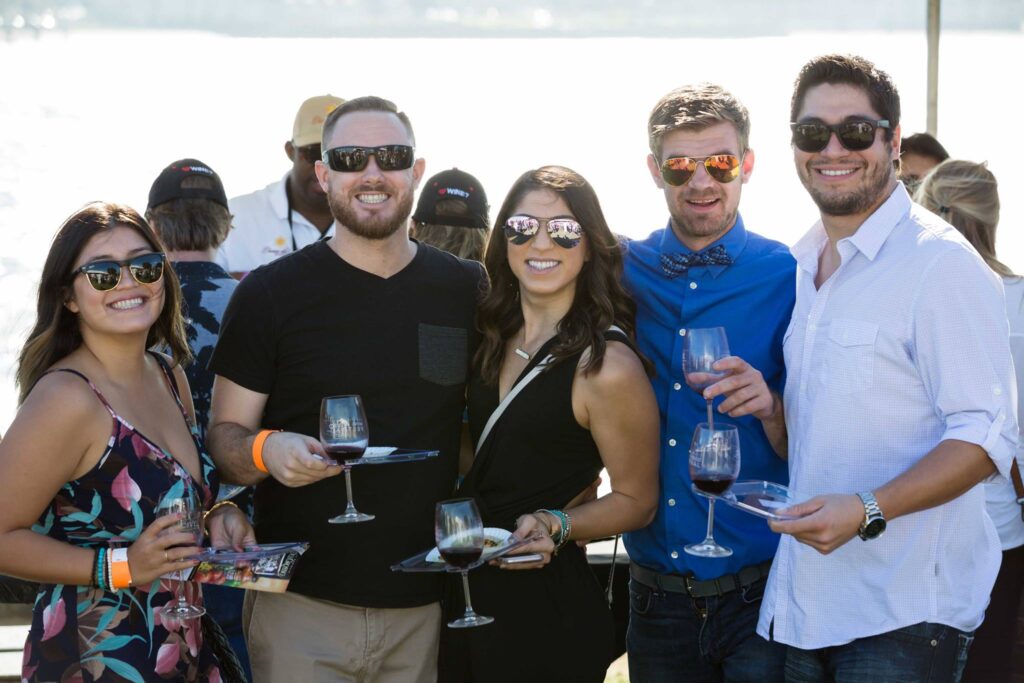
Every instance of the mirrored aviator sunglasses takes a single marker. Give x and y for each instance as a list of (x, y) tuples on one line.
[(351, 159), (677, 171), (145, 269), (565, 232), (855, 136)]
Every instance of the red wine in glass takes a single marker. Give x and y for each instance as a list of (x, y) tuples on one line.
[(344, 435), (345, 451), (715, 485), (460, 557)]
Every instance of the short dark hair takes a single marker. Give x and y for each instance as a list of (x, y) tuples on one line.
[(696, 107), (849, 70), (366, 103), (925, 145), (190, 224)]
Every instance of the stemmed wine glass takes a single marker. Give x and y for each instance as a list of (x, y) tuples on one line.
[(702, 348), (345, 434), (191, 512), (714, 466), (459, 533)]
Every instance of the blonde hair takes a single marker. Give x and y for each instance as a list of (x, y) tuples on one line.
[(966, 195)]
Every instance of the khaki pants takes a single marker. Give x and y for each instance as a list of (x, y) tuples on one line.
[(296, 639)]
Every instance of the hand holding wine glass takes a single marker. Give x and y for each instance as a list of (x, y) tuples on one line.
[(714, 466), (459, 532), (345, 434), (702, 348), (161, 549), (188, 513)]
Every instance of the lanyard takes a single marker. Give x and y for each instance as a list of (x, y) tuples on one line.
[(291, 225)]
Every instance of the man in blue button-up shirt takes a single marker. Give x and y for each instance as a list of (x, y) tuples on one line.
[(693, 616)]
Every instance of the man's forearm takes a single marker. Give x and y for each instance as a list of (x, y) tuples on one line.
[(949, 470), (231, 447), (775, 428)]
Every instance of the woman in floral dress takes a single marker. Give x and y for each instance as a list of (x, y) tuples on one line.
[(105, 432)]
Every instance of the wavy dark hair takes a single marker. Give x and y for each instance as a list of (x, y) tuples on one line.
[(600, 300), (56, 332)]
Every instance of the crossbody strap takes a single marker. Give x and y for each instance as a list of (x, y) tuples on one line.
[(537, 369)]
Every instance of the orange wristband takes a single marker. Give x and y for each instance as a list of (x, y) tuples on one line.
[(257, 449), (120, 574)]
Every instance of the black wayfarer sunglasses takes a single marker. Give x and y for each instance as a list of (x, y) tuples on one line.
[(105, 275)]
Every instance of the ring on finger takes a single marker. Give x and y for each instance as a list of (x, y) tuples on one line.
[(166, 558)]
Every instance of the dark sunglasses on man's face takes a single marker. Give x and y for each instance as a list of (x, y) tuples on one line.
[(565, 232), (105, 275), (354, 159), (678, 171), (856, 136), (311, 153)]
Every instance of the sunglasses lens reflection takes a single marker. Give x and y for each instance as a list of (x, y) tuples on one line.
[(855, 136), (677, 171), (521, 229), (565, 233)]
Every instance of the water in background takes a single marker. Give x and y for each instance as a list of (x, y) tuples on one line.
[(97, 115)]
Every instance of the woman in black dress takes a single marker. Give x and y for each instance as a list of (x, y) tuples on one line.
[(555, 301)]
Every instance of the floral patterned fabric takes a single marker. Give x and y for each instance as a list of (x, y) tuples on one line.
[(81, 634)]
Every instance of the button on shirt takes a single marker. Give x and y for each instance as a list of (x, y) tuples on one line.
[(260, 230), (904, 346), (752, 300)]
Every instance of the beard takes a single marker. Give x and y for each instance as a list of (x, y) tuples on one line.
[(377, 228), (857, 201), (702, 226)]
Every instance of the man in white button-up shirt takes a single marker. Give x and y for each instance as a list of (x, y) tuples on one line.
[(899, 400)]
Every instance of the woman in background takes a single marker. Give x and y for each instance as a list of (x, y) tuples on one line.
[(966, 195), (104, 432)]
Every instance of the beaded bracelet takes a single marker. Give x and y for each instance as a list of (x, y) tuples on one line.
[(110, 572), (97, 566), (563, 537)]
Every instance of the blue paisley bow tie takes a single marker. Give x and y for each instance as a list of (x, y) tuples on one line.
[(674, 265)]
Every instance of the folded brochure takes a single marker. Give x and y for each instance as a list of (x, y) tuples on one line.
[(267, 567)]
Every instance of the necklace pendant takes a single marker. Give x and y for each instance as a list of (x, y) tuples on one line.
[(522, 354)]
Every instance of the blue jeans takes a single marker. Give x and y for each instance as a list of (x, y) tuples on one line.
[(922, 653), (673, 637)]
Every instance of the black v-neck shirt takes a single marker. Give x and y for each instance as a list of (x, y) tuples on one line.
[(310, 325)]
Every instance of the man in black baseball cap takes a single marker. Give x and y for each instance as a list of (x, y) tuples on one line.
[(452, 214), (188, 209)]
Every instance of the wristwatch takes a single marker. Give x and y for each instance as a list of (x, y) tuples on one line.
[(874, 523)]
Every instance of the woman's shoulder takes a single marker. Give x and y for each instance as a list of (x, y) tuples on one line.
[(63, 395), (620, 369)]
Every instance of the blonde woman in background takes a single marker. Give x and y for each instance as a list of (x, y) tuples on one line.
[(965, 194)]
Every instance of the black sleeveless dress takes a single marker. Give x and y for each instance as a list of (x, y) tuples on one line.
[(551, 624)]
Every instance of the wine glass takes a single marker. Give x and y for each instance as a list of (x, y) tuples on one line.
[(702, 348), (191, 521), (714, 466), (345, 434), (459, 533)]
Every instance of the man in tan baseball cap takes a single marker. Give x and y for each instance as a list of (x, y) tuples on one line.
[(289, 213)]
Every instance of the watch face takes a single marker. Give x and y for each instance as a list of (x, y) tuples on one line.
[(874, 528)]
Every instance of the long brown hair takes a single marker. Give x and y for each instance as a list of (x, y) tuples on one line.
[(966, 195), (600, 300), (56, 332)]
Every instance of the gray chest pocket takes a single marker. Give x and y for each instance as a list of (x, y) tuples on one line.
[(443, 353)]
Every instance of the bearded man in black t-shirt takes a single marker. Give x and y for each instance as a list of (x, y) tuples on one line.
[(368, 312)]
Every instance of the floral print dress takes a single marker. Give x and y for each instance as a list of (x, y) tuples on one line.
[(81, 634)]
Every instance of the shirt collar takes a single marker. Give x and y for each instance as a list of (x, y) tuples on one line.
[(279, 198), (734, 241), (868, 239)]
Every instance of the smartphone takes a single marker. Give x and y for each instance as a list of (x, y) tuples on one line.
[(520, 559)]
